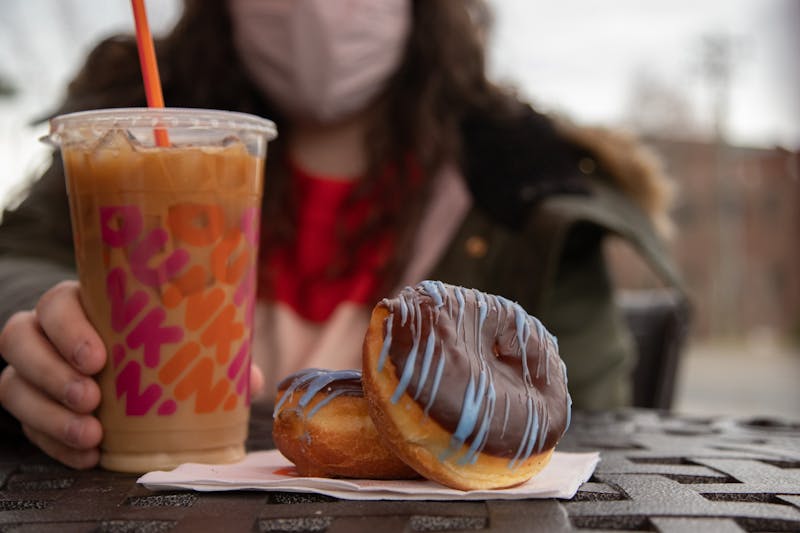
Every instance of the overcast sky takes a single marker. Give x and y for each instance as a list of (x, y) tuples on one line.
[(580, 56), (577, 57)]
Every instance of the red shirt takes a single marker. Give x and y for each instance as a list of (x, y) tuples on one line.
[(301, 271)]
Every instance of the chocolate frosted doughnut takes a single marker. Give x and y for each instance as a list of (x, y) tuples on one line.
[(466, 387), (322, 425)]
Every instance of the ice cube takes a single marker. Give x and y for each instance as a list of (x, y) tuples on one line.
[(115, 142), (230, 140)]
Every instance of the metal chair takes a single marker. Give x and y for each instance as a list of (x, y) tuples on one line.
[(659, 321)]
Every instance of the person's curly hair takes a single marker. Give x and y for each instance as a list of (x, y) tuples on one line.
[(441, 80)]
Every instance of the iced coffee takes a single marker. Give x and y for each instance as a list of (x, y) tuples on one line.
[(166, 243)]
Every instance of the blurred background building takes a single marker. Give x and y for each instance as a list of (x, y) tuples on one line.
[(712, 87)]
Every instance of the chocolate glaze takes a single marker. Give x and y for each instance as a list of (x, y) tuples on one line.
[(313, 381), (480, 366)]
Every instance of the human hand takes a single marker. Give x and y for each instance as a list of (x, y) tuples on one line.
[(52, 354)]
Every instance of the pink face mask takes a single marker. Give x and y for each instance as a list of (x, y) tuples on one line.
[(320, 59)]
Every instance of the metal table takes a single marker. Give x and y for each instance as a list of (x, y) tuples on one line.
[(659, 472)]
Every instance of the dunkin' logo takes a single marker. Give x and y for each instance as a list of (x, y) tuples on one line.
[(186, 320)]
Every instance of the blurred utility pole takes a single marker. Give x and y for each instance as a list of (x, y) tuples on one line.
[(7, 89), (718, 59), (657, 107)]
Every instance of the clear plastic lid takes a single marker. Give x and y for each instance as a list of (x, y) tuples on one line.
[(180, 123)]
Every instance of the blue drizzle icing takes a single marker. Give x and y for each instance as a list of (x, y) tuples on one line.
[(437, 379), (505, 415), (312, 381), (479, 398), (387, 342), (461, 306), (434, 289), (426, 362), (528, 436), (569, 398), (408, 369)]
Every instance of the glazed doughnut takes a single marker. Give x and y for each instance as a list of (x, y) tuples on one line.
[(465, 387), (322, 425)]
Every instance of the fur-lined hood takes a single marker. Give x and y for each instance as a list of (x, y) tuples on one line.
[(513, 162), (635, 169)]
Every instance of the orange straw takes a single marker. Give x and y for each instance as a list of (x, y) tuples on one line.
[(147, 60)]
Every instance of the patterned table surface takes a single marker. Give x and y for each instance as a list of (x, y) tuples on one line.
[(658, 472)]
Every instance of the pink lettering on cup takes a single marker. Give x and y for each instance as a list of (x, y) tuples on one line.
[(123, 311), (222, 314), (117, 354), (152, 336), (167, 407), (243, 384), (246, 287), (143, 252), (129, 384), (239, 359), (249, 225), (120, 225)]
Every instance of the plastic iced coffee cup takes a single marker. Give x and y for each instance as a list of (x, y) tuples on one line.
[(166, 243)]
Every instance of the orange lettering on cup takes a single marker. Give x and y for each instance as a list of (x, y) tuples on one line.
[(230, 403), (222, 332), (227, 267), (178, 362), (200, 382), (194, 280), (196, 224), (200, 307)]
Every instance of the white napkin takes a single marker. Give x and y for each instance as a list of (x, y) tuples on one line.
[(270, 471)]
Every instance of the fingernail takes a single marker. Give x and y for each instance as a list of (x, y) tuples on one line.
[(80, 354), (74, 393), (73, 431)]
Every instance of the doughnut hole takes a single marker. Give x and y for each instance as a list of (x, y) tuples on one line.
[(338, 440)]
